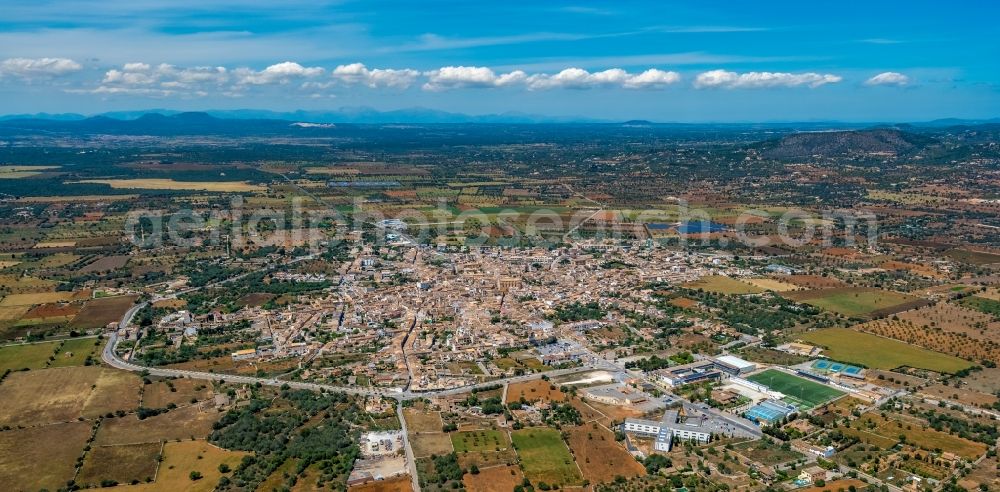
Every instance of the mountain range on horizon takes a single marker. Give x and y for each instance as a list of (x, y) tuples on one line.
[(421, 115)]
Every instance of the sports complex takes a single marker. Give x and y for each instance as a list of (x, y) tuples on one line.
[(801, 392)]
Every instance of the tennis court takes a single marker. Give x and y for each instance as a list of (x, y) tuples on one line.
[(830, 366)]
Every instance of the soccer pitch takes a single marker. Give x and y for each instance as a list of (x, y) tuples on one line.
[(798, 391)]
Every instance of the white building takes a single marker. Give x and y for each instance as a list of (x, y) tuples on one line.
[(697, 426)]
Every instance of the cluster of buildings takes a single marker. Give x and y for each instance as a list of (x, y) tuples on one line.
[(691, 423), (707, 369)]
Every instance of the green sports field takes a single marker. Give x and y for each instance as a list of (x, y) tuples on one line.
[(800, 392)]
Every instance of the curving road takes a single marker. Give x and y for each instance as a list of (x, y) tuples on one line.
[(111, 358)]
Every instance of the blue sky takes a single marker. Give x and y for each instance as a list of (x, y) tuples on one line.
[(663, 61)]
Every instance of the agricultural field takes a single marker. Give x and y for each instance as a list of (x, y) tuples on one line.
[(534, 390), (77, 351), (183, 457), (400, 483), (430, 443), (45, 312), (919, 435), (721, 284), (946, 316), (852, 302), (181, 423), (41, 457), (169, 184), (801, 392), (30, 356), (70, 393), (483, 448), (771, 284), (846, 345), (179, 392), (545, 457), (31, 299), (983, 304), (54, 244), (500, 478), (105, 264), (478, 441), (121, 463), (767, 452), (973, 257), (15, 284), (960, 344), (812, 281), (599, 456), (961, 395), (97, 313), (986, 380), (771, 356), (18, 172), (991, 293)]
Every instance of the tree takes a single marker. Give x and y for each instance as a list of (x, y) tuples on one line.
[(194, 476)]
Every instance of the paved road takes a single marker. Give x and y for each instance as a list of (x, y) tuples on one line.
[(411, 460)]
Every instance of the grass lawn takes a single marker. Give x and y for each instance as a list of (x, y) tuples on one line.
[(802, 392), (876, 352), (723, 285), (545, 457)]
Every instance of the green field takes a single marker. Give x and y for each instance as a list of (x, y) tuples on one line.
[(982, 304), (31, 356), (876, 352), (723, 285), (545, 457), (476, 441), (850, 301), (74, 352), (801, 392)]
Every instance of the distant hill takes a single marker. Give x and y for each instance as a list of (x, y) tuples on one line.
[(191, 123), (355, 114), (841, 143)]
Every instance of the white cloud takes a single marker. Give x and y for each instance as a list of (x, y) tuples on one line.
[(577, 78), (30, 68), (889, 78), (756, 80), (165, 75), (652, 79), (358, 73), (280, 73), (570, 78), (463, 77)]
